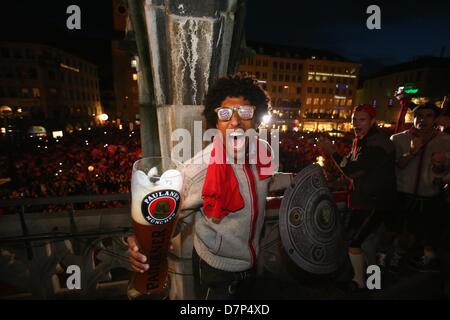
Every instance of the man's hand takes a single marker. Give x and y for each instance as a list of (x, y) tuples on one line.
[(417, 143), (137, 259)]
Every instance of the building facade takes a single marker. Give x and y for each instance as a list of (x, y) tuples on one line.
[(124, 66), (311, 90), (42, 85), (427, 78)]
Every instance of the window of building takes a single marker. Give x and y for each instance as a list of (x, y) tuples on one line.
[(258, 75), (324, 78), (5, 53), (24, 92), (258, 62), (36, 93), (51, 75), (299, 90), (32, 73), (294, 66), (264, 75), (350, 92), (274, 89), (274, 76), (310, 77), (265, 63), (316, 101), (19, 74), (280, 77), (288, 66), (309, 90), (299, 78), (323, 101), (308, 101), (282, 65), (330, 90), (349, 102), (17, 53), (287, 78), (29, 53), (7, 72), (275, 65), (324, 90), (316, 90), (317, 78), (12, 92), (280, 88), (336, 91)]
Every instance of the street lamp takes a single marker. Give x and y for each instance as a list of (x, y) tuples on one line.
[(103, 117)]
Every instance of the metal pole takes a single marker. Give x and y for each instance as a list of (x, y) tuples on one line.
[(148, 116)]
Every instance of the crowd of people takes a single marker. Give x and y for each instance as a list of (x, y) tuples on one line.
[(89, 162), (300, 149), (99, 161)]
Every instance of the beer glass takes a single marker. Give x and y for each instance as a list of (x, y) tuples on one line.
[(156, 184)]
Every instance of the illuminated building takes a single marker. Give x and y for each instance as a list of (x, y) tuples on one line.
[(310, 89), (430, 75), (124, 66), (49, 86)]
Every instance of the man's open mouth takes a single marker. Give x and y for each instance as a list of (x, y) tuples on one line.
[(236, 140)]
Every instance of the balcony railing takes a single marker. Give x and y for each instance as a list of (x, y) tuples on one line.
[(36, 249)]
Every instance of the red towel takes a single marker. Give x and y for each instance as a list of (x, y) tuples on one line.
[(221, 194)]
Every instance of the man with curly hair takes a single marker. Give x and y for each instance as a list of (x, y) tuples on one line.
[(226, 195)]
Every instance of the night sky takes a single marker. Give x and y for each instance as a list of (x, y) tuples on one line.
[(408, 28)]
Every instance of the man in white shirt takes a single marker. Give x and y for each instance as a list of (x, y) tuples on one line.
[(421, 163)]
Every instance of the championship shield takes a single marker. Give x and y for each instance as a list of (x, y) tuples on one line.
[(309, 224)]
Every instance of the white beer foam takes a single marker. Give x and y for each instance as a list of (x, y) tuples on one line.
[(171, 179), (142, 186), (153, 172)]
